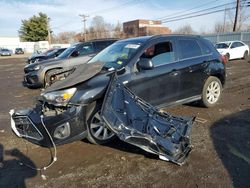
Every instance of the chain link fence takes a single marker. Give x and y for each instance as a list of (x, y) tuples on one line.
[(242, 36)]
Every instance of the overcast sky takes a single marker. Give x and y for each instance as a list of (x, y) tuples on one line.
[(64, 14)]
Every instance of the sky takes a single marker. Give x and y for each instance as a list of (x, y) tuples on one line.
[(64, 14)]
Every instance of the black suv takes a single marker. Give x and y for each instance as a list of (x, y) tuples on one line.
[(46, 72), (162, 70)]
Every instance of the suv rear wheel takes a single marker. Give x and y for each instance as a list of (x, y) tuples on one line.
[(211, 92), (98, 132)]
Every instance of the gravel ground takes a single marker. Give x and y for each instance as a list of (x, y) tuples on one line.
[(220, 158)]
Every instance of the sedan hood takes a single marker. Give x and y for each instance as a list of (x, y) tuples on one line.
[(81, 73)]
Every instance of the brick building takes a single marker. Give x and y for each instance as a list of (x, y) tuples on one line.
[(137, 28)]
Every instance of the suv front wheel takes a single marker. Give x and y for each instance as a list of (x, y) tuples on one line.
[(211, 92), (98, 132)]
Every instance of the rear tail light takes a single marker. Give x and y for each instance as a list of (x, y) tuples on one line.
[(224, 59)]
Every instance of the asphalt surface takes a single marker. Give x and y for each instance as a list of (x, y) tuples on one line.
[(220, 157)]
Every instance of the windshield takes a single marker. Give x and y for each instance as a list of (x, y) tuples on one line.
[(116, 55), (52, 53), (222, 45), (66, 52)]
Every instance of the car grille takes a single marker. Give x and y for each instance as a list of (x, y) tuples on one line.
[(26, 128)]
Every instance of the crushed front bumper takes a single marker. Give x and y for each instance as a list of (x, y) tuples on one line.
[(36, 127), (32, 79)]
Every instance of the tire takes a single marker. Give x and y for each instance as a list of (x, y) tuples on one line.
[(98, 133), (227, 57), (47, 78), (211, 92), (245, 56)]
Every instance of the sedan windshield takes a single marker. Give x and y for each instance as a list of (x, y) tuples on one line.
[(222, 45), (67, 52), (117, 55)]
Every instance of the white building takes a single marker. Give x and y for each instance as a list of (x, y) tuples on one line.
[(29, 47)]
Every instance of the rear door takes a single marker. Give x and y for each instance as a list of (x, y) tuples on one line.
[(159, 85), (192, 65)]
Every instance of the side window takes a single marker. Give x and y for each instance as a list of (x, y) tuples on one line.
[(234, 45), (239, 44), (86, 49), (206, 46), (161, 53), (189, 49), (101, 45)]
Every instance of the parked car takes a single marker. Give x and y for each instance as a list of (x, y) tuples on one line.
[(163, 70), (5, 52), (46, 56), (19, 51), (233, 49), (44, 73)]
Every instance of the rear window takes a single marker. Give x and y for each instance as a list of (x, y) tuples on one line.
[(101, 45), (206, 46), (189, 48)]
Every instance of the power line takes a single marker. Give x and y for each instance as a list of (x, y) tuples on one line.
[(198, 15), (196, 7), (200, 11)]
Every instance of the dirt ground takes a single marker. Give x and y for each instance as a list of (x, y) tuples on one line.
[(220, 158)]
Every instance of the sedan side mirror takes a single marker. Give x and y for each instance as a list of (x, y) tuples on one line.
[(75, 54), (145, 64)]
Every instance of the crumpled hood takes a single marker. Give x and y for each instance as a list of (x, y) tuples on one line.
[(82, 73)]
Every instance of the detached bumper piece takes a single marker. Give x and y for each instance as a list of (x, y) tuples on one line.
[(36, 127), (140, 124)]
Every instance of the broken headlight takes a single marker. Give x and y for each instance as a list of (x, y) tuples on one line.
[(59, 98)]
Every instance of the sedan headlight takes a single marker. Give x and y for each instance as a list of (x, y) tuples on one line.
[(59, 98)]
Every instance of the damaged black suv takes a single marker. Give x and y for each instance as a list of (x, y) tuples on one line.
[(162, 70)]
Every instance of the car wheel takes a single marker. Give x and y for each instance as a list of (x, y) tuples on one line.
[(227, 57), (211, 92), (48, 79), (98, 132), (245, 56)]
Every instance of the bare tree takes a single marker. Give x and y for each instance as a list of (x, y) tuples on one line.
[(220, 27), (118, 32), (99, 29), (65, 37), (186, 29)]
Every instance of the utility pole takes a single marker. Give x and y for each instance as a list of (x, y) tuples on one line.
[(48, 28), (236, 15), (224, 21), (84, 19)]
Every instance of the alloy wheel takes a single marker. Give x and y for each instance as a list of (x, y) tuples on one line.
[(213, 92), (99, 129)]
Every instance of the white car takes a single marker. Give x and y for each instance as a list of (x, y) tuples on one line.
[(233, 49)]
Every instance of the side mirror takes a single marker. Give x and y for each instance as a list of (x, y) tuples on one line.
[(75, 54), (145, 64)]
